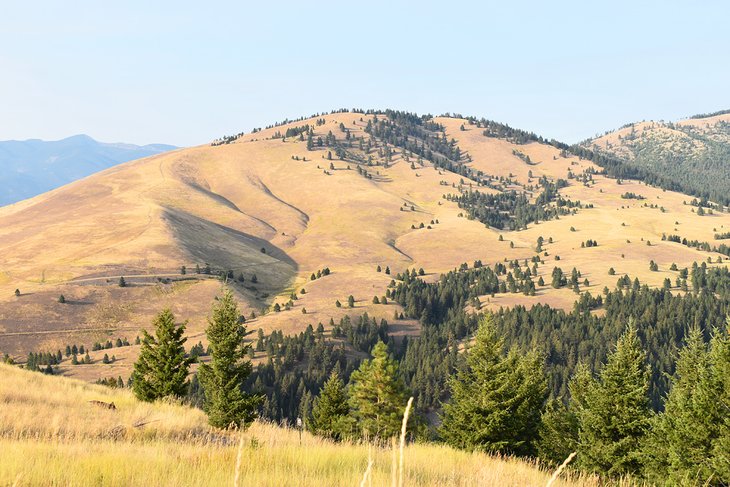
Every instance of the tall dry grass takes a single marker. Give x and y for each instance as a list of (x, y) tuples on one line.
[(51, 435)]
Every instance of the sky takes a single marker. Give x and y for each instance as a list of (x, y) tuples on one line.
[(187, 72)]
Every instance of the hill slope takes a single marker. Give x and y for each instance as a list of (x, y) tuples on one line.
[(32, 167), (695, 153), (78, 442), (390, 190)]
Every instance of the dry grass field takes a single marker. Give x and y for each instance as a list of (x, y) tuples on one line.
[(223, 204), (50, 434)]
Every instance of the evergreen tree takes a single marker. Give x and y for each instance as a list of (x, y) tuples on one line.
[(715, 394), (377, 395), (330, 411), (680, 441), (162, 367), (558, 433), (613, 411), (222, 380), (496, 398)]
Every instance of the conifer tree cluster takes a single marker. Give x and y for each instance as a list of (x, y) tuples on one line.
[(370, 407)]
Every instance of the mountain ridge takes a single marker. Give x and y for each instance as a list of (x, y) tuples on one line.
[(692, 154), (352, 192), (34, 166)]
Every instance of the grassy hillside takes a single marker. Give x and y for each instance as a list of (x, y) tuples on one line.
[(694, 153), (51, 434), (257, 207)]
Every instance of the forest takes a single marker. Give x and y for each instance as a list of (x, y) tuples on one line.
[(563, 370), (511, 210), (298, 366)]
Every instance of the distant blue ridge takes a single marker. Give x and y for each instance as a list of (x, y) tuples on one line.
[(31, 167)]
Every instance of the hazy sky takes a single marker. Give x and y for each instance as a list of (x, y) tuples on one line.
[(186, 72)]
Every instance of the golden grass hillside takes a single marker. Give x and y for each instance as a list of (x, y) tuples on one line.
[(224, 204), (50, 434)]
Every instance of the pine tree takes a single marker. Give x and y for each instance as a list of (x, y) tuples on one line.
[(377, 396), (330, 411), (558, 433), (680, 441), (496, 398), (613, 411), (162, 367), (715, 394), (222, 380)]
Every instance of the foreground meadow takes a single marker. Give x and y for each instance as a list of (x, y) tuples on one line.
[(51, 434)]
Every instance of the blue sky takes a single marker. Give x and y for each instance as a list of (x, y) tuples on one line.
[(186, 72)]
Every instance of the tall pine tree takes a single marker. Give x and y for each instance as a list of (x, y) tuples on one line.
[(496, 398), (715, 392), (679, 443), (222, 379), (377, 396), (613, 411), (162, 367), (330, 411)]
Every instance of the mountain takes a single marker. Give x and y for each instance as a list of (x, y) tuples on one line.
[(299, 217), (691, 155), (32, 167)]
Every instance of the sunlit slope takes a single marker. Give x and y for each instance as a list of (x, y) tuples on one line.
[(256, 207), (628, 231), (692, 155)]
